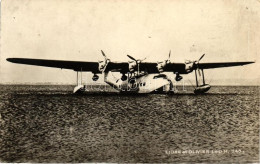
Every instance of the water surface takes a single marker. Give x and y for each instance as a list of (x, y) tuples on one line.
[(50, 124)]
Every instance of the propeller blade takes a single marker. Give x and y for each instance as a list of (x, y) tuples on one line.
[(103, 54), (131, 57), (169, 55), (201, 57), (143, 59)]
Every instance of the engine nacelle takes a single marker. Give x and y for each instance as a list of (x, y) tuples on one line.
[(161, 65), (102, 65), (188, 66), (132, 66)]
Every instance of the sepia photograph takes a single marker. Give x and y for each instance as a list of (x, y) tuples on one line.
[(129, 81)]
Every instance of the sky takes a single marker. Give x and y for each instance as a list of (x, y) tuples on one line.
[(226, 31)]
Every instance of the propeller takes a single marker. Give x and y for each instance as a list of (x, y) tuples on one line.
[(131, 57), (197, 64), (103, 63), (106, 58), (138, 61), (167, 60), (201, 57)]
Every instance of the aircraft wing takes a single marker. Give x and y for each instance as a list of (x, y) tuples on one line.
[(122, 67), (74, 65), (181, 67), (219, 65), (150, 67)]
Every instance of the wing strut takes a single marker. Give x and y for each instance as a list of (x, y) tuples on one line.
[(201, 89), (203, 78), (77, 82), (196, 78), (80, 88)]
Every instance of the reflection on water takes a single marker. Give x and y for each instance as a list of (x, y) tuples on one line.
[(50, 124)]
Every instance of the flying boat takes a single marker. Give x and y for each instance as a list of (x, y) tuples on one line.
[(137, 76)]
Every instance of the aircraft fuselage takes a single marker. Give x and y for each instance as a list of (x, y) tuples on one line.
[(142, 83), (146, 83)]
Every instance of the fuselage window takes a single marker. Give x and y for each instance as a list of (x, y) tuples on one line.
[(144, 84)]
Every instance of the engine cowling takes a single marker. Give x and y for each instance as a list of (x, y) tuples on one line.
[(161, 65), (192, 65), (102, 65), (188, 66), (132, 66)]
